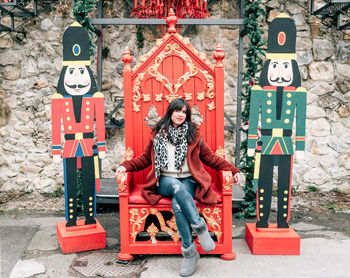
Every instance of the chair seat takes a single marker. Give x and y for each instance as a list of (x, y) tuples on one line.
[(137, 198)]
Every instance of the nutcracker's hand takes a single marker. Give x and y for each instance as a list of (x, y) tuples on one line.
[(299, 155), (251, 152), (102, 154), (236, 178), (57, 158)]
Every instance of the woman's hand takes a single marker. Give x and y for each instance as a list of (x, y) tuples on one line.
[(236, 178), (120, 169)]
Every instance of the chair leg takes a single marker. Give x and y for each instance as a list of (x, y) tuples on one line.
[(228, 257), (124, 257)]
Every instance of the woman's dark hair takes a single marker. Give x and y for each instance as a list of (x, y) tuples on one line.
[(264, 81), (60, 85), (177, 105)]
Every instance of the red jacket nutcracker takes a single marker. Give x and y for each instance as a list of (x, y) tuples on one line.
[(79, 105)]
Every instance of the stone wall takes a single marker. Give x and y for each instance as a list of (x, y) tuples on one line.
[(30, 63)]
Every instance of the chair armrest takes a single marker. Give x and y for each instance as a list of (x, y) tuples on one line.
[(123, 181), (226, 179)]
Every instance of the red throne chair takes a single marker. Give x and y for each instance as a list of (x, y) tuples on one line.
[(173, 68)]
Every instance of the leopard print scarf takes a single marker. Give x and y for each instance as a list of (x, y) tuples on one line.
[(177, 137)]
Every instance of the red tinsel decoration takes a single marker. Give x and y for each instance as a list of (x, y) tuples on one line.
[(160, 8)]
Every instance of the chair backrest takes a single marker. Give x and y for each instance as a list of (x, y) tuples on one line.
[(173, 68)]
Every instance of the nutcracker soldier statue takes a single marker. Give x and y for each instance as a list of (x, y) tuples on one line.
[(78, 104), (278, 98)]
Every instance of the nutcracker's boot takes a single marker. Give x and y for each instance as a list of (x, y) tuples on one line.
[(88, 184), (189, 262), (205, 239), (70, 172)]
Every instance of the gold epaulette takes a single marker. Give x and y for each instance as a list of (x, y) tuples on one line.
[(256, 87), (301, 89), (98, 94), (55, 96)]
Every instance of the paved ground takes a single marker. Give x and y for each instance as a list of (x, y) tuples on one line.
[(29, 248)]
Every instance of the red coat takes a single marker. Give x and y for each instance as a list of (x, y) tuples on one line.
[(195, 156), (91, 107)]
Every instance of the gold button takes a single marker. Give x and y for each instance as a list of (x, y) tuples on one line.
[(67, 110), (288, 111), (261, 198), (289, 102), (70, 204), (90, 209), (285, 206), (269, 102), (87, 117), (71, 211), (88, 102), (284, 214), (286, 121), (289, 95), (87, 127), (91, 214), (70, 216), (66, 103), (269, 110), (261, 214), (68, 118), (268, 120), (87, 109), (269, 94), (69, 127), (90, 198), (285, 191), (285, 199), (90, 204), (261, 190), (261, 206), (70, 199)]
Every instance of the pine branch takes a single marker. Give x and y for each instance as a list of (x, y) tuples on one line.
[(253, 63)]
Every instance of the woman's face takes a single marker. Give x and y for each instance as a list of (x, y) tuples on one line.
[(178, 117)]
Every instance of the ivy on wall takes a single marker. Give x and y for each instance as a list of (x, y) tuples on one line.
[(139, 36), (81, 11), (253, 63)]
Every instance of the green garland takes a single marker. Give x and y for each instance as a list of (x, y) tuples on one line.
[(81, 11), (253, 64)]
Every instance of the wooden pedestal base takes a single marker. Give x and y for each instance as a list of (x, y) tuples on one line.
[(80, 237), (271, 240)]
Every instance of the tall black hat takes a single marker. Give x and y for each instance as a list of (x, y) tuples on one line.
[(76, 46), (281, 38)]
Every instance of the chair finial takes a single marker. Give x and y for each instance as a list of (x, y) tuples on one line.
[(127, 59), (219, 55), (171, 20)]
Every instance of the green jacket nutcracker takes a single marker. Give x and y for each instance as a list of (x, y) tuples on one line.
[(277, 100)]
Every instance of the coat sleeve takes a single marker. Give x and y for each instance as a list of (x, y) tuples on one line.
[(209, 158), (141, 162)]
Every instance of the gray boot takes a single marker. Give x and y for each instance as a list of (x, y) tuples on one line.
[(205, 239), (189, 262)]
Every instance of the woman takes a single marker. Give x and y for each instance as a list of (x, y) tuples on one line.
[(176, 152)]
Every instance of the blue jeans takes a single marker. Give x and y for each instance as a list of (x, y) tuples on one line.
[(181, 191)]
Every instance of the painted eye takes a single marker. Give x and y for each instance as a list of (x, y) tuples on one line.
[(274, 66), (81, 71), (71, 71), (286, 66)]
